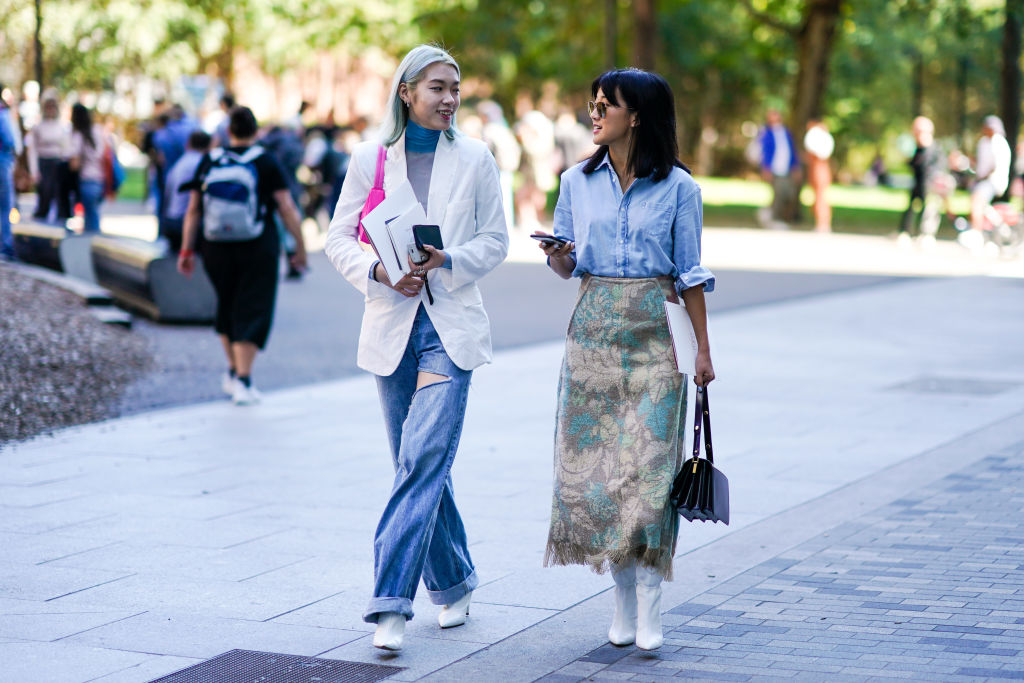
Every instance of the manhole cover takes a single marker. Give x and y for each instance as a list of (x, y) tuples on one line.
[(954, 385), (246, 666)]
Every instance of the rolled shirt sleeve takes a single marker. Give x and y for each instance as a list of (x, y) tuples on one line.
[(686, 232)]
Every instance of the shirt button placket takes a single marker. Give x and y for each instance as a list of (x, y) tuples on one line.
[(622, 242)]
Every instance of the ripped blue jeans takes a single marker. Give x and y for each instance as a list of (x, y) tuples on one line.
[(421, 532)]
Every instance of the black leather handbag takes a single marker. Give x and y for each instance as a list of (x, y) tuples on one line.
[(700, 490)]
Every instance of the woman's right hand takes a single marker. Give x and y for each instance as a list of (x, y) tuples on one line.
[(409, 286), (553, 249)]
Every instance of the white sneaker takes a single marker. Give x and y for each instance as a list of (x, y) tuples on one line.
[(227, 384), (245, 395)]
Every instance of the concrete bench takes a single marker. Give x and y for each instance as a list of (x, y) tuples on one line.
[(144, 276), (53, 247)]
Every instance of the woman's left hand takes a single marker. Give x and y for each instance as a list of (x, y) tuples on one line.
[(704, 370), (436, 260)]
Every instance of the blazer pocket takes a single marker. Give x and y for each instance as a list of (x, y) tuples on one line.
[(378, 290), (457, 210)]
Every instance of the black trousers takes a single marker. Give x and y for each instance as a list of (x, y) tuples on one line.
[(244, 275)]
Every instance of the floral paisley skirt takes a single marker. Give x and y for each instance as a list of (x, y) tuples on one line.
[(619, 430)]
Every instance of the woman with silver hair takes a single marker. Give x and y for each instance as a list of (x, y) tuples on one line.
[(422, 348)]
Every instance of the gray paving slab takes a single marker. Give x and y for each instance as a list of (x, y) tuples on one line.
[(147, 670), (198, 637), (62, 662)]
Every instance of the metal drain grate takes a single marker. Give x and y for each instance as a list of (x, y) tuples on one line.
[(247, 666), (955, 385)]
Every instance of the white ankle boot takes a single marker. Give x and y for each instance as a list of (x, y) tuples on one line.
[(456, 613), (390, 631), (623, 630), (648, 597)]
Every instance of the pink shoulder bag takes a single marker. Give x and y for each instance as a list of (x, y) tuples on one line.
[(376, 195)]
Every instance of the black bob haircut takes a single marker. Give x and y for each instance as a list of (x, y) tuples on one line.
[(654, 150), (242, 123)]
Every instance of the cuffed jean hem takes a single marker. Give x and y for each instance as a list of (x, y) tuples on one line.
[(450, 595), (378, 606)]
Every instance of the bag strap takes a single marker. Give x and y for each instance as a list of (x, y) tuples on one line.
[(378, 178), (702, 417)]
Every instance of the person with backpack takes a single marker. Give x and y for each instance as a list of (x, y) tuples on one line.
[(234, 195)]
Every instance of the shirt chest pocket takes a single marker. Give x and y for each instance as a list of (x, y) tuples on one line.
[(651, 217)]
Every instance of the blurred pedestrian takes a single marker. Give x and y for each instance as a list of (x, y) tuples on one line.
[(285, 145), (423, 354), (631, 218), (169, 142), (992, 170), (572, 140), (926, 165), (235, 192), (8, 154), (89, 143), (178, 188), (536, 136), (220, 131), (781, 168), (48, 144), (503, 145), (819, 145)]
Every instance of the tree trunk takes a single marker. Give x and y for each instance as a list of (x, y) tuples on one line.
[(962, 67), (1010, 77), (917, 87), (39, 46), (646, 34), (814, 39), (611, 34)]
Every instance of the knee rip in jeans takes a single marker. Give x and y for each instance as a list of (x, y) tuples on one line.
[(426, 378)]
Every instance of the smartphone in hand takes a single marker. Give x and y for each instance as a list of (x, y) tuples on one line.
[(549, 240)]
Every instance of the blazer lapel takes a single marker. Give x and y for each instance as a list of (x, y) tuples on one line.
[(395, 169), (442, 177)]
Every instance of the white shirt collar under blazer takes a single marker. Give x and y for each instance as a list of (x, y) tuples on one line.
[(442, 175)]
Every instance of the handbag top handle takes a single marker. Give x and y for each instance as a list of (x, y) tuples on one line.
[(378, 178), (702, 416)]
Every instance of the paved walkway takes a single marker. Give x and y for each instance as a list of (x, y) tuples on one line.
[(140, 546), (929, 586)]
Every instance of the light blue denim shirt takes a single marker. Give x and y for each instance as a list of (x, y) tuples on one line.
[(651, 230)]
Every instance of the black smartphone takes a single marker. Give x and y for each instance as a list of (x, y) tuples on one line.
[(549, 239), (427, 234)]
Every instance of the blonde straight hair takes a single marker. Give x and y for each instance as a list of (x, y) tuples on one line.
[(410, 72)]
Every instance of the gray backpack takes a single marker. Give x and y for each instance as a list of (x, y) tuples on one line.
[(231, 209)]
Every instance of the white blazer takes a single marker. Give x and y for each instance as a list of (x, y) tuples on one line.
[(465, 200)]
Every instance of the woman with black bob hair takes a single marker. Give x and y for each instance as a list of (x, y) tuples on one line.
[(630, 218)]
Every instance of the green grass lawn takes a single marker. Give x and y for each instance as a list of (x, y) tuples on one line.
[(134, 185), (855, 209)]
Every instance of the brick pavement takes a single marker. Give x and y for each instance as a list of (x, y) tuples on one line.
[(927, 587)]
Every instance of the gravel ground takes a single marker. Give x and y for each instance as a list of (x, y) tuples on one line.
[(59, 366)]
